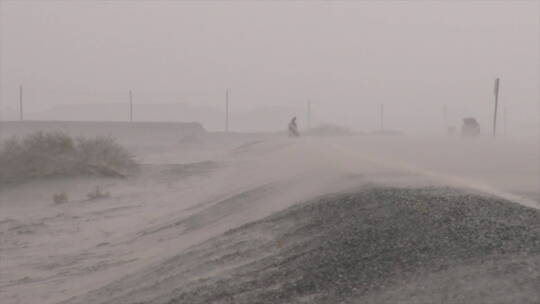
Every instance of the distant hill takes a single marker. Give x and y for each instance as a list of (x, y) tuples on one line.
[(125, 132), (266, 118), (171, 112)]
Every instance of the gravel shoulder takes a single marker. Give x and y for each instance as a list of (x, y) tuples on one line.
[(372, 245)]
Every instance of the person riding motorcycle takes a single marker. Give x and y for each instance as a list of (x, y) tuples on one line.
[(293, 128)]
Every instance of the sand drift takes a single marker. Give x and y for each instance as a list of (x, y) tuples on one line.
[(271, 221), (374, 245)]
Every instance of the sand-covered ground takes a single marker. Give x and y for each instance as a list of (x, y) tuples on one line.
[(371, 245), (266, 219)]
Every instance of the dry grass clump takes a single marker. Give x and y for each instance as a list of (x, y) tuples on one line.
[(60, 198), (97, 194), (329, 130), (57, 154)]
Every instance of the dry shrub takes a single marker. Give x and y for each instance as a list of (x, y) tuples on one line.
[(329, 130), (60, 198), (57, 154), (97, 194)]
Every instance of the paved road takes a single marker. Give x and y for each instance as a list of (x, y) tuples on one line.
[(507, 168)]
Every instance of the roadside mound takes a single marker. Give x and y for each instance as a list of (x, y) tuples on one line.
[(374, 245)]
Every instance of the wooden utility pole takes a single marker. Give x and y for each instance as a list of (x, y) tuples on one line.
[(504, 120), (496, 92), (445, 116), (309, 114), (130, 106), (382, 117), (227, 110), (21, 116)]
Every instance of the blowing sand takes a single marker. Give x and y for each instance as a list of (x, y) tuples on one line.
[(258, 219)]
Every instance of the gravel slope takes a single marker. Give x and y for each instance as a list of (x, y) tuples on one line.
[(373, 245)]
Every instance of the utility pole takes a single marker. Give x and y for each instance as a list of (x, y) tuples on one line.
[(504, 120), (227, 110), (382, 117), (130, 106), (496, 92), (309, 114), (445, 116), (21, 117)]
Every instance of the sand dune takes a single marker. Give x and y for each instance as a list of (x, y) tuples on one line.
[(244, 219), (373, 245)]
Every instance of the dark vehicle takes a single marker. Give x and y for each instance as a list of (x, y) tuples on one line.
[(470, 127)]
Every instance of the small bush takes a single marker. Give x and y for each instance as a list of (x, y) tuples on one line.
[(60, 198), (57, 154), (329, 130), (97, 194)]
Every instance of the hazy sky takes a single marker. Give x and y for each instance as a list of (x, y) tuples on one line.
[(348, 57)]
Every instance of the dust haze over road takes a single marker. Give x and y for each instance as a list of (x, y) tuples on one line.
[(165, 235), (145, 156), (349, 57)]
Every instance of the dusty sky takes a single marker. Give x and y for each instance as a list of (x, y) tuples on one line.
[(347, 57)]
